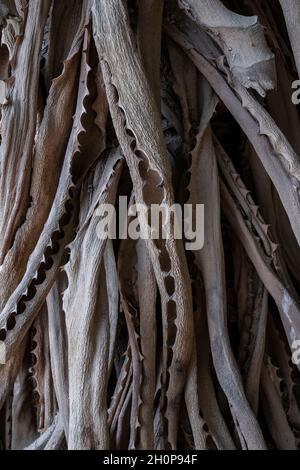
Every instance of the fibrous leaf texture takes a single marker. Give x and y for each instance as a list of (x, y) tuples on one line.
[(141, 342)]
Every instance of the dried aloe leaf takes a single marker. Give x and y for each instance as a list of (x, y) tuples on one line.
[(123, 341), (18, 127), (133, 121), (291, 11), (242, 40)]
